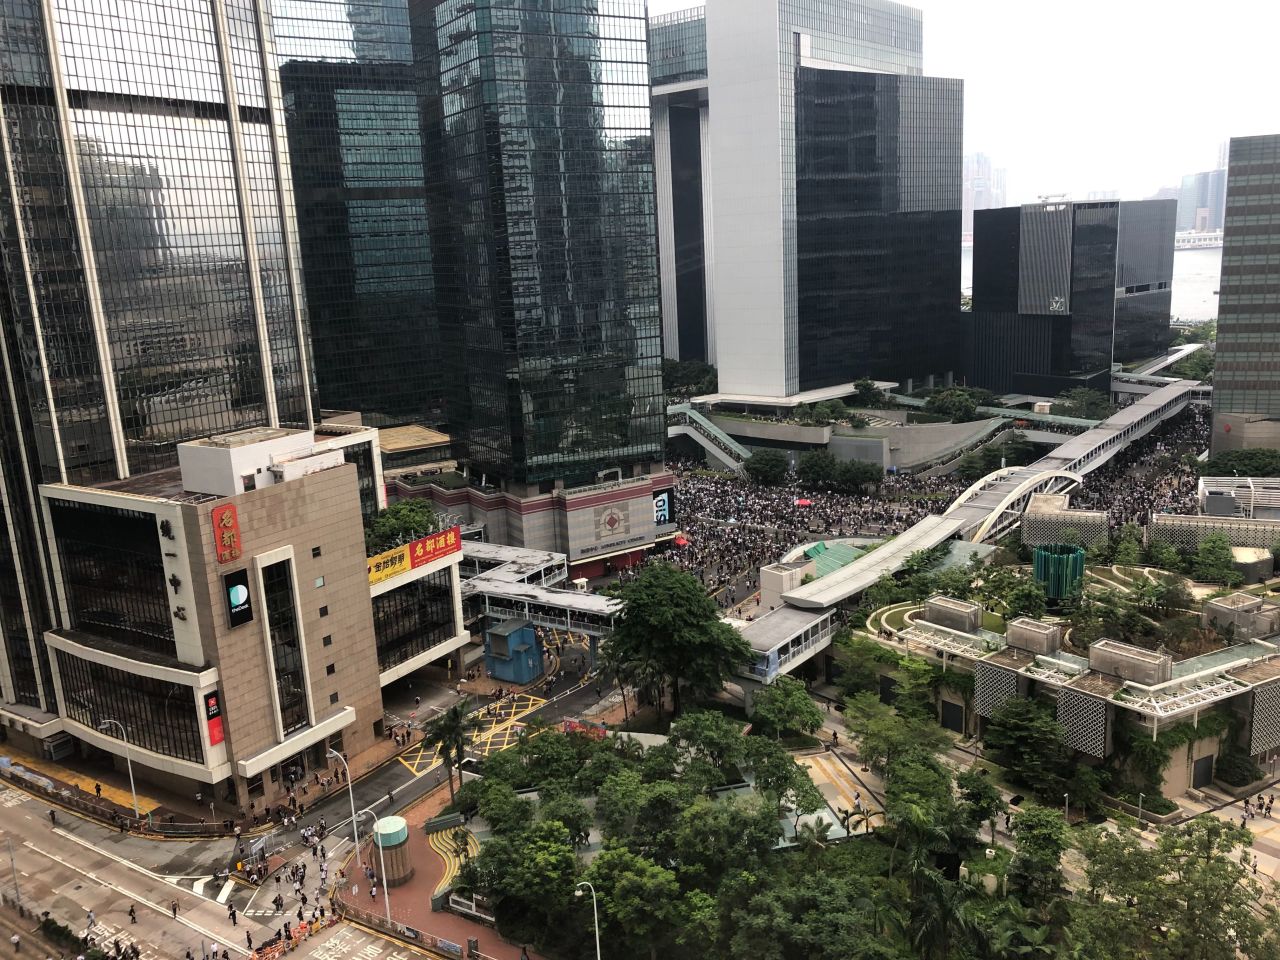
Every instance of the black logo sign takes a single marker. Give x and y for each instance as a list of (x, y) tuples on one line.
[(664, 506), (235, 586)]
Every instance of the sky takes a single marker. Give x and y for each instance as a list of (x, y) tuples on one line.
[(1073, 96)]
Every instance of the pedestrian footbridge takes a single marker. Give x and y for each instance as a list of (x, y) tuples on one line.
[(982, 514), (684, 421)]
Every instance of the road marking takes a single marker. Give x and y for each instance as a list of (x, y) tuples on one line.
[(197, 886), (137, 898), (226, 890), (111, 856)]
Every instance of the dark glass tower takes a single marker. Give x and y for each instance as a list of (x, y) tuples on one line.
[(151, 289), (355, 147), (877, 225), (1246, 378), (541, 204), (1062, 290)]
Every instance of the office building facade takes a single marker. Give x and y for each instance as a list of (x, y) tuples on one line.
[(540, 198), (151, 283), (1202, 201), (1246, 378), (351, 109), (747, 269), (1062, 290)]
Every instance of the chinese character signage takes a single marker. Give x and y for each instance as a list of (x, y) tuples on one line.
[(213, 716), (413, 555), (226, 533)]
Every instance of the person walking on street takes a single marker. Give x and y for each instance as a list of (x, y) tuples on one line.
[(173, 908), (53, 817), (17, 943), (133, 914), (248, 939), (97, 790)]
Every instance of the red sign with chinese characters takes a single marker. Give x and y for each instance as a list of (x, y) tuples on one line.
[(226, 533), (434, 547), (213, 714)]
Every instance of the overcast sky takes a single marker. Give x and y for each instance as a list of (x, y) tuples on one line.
[(1087, 95)]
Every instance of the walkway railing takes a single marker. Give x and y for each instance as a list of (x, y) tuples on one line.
[(707, 433)]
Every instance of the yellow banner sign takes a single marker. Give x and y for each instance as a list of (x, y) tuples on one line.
[(392, 563)]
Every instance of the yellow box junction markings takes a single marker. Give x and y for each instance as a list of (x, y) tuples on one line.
[(420, 759)]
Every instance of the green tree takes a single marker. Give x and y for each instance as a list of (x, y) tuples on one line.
[(954, 402), (1127, 553), (1040, 838), (685, 378), (640, 901), (778, 776), (618, 802), (785, 705), (1213, 561), (768, 468), (982, 799), (859, 657), (1025, 739), (568, 810), (853, 476), (1083, 403), (817, 470), (916, 697), (1164, 555), (708, 738), (670, 630), (881, 734), (503, 809), (867, 394), (402, 522), (1191, 896), (718, 835), (1257, 462), (450, 734), (1027, 599)]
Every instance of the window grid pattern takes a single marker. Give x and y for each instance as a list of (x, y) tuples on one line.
[(159, 716), (1246, 377), (113, 574), (413, 619), (286, 645), (541, 199), (878, 208)]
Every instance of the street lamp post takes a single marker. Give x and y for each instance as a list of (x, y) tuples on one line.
[(595, 915), (351, 796), (382, 864), (1141, 797), (1066, 808), (128, 759)]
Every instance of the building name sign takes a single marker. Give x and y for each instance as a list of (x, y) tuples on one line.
[(391, 563), (226, 533)]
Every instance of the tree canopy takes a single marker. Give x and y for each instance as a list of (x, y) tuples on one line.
[(1258, 462), (768, 468), (402, 522), (670, 634)]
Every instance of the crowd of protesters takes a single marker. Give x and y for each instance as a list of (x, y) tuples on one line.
[(1151, 475)]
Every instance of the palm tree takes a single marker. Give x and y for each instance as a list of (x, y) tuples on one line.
[(451, 735), (813, 837), (941, 916)]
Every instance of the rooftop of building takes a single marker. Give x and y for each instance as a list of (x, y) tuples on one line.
[(411, 437), (246, 437), (157, 485), (779, 626)]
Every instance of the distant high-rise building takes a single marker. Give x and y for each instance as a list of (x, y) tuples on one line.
[(1201, 201), (351, 106), (540, 193), (834, 255), (983, 187), (1061, 290), (1246, 376)]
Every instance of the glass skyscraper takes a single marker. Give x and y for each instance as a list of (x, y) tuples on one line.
[(809, 194), (540, 199), (355, 142), (151, 281), (1246, 377)]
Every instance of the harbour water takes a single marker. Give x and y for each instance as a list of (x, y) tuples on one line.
[(1195, 281)]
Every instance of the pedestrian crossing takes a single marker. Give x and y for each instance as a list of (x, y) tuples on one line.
[(838, 787)]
